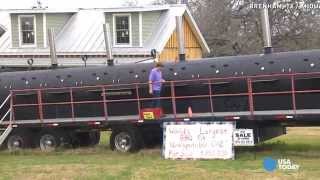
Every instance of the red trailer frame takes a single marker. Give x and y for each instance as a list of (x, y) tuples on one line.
[(210, 95), (277, 118)]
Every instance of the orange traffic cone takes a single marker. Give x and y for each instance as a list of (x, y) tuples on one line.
[(190, 112)]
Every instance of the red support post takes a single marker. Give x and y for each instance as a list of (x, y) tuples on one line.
[(72, 104), (138, 99), (40, 107), (293, 90), (210, 95), (105, 110), (250, 96), (173, 95), (11, 108)]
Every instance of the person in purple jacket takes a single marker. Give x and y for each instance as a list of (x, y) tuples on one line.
[(155, 83)]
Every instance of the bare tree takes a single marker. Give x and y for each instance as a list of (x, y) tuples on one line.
[(232, 27)]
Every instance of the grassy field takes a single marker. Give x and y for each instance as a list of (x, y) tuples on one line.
[(301, 145)]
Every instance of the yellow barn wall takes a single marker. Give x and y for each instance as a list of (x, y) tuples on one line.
[(192, 47)]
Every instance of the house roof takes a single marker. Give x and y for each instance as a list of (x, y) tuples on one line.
[(41, 10), (137, 9), (5, 39), (83, 33), (113, 9)]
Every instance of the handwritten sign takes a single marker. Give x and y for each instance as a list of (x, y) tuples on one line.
[(148, 115), (198, 140), (243, 137)]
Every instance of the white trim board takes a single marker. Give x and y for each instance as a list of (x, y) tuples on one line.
[(10, 31), (140, 30), (44, 17)]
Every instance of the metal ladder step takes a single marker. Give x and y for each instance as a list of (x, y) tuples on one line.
[(5, 115), (5, 134)]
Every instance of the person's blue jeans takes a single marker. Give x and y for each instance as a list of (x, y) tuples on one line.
[(156, 102)]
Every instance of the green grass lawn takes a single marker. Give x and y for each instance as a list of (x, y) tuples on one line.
[(301, 145)]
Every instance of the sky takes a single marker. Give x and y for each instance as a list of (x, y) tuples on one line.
[(63, 4)]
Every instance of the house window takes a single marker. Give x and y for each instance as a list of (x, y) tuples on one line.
[(122, 29), (27, 30)]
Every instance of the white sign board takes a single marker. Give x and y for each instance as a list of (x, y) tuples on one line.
[(198, 140), (243, 137)]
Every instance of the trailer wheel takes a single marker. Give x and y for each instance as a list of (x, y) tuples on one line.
[(17, 142), (49, 141), (125, 140)]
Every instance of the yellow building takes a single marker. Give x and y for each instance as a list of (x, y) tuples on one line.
[(193, 49)]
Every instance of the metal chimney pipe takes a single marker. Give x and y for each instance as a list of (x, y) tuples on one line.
[(266, 31), (183, 2), (53, 52), (180, 38), (107, 41)]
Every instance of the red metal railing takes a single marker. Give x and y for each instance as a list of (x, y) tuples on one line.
[(137, 86)]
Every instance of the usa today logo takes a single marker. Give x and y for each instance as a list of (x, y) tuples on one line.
[(271, 164)]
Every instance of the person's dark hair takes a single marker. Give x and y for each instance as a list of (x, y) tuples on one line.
[(159, 64)]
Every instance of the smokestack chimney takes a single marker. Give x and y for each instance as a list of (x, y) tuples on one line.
[(182, 2), (107, 41), (53, 52), (180, 38), (266, 31)]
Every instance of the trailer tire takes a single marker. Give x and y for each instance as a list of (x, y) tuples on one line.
[(125, 140), (49, 140), (18, 141)]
